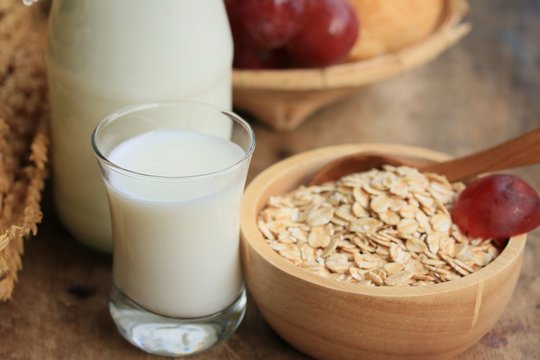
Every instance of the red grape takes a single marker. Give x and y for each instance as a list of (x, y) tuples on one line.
[(269, 24), (246, 57), (497, 206), (329, 31), (233, 12)]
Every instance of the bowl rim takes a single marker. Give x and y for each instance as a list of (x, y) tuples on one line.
[(252, 238)]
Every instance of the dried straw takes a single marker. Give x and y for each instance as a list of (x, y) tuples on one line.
[(23, 135)]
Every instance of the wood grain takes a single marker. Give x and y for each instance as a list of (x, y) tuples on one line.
[(338, 321), (521, 151), (481, 92), (357, 163)]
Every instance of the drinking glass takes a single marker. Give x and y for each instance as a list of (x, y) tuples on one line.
[(175, 174)]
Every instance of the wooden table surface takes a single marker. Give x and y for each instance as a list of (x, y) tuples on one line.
[(481, 92)]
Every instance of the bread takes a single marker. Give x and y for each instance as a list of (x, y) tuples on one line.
[(390, 25)]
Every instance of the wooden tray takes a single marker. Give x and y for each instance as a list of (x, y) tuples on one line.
[(283, 99)]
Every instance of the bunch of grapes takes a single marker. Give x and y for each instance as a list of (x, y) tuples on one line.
[(291, 33)]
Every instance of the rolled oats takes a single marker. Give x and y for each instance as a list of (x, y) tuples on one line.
[(365, 225), (320, 215), (407, 226), (338, 263), (377, 277), (389, 227), (399, 278)]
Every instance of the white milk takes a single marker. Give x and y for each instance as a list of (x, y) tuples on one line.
[(106, 54), (176, 241)]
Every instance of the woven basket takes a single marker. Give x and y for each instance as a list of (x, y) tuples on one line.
[(23, 134), (283, 99)]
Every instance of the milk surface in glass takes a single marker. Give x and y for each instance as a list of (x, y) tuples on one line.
[(176, 239), (106, 54)]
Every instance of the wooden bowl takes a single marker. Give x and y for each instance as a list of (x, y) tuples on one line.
[(283, 99), (331, 320)]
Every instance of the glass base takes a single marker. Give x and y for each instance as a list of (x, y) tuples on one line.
[(165, 336)]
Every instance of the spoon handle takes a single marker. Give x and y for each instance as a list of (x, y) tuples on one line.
[(521, 151)]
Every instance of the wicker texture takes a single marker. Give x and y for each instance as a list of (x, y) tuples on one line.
[(23, 134), (283, 99)]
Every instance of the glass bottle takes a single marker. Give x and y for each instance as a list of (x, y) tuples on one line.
[(107, 54)]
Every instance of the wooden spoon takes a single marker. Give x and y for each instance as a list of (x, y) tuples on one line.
[(521, 151)]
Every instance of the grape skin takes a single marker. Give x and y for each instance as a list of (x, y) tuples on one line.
[(330, 29), (497, 206), (285, 33), (270, 24)]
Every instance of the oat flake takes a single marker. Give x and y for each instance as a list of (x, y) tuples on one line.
[(387, 227)]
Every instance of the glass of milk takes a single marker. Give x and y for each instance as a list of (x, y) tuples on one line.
[(174, 181)]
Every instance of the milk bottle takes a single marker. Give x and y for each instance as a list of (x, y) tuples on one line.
[(106, 54)]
